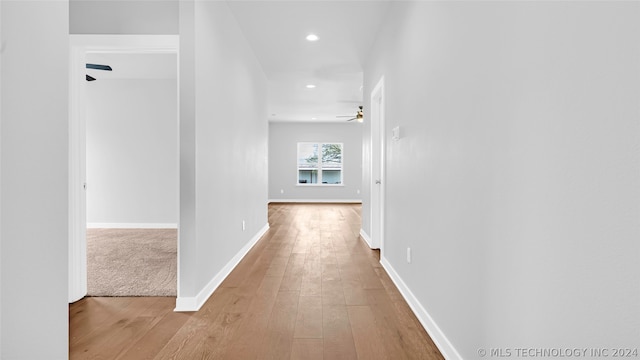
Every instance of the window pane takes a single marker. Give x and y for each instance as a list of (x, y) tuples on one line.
[(320, 163), (332, 156), (332, 176), (307, 176), (307, 156)]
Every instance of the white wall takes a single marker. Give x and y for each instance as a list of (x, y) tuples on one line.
[(1, 182), (123, 17), (516, 181), (34, 215), (132, 152), (283, 147), (223, 147)]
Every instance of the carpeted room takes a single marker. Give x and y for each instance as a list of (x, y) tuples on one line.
[(132, 175), (131, 262)]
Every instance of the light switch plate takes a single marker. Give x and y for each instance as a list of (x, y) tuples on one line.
[(395, 133)]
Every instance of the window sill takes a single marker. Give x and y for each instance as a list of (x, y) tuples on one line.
[(314, 185)]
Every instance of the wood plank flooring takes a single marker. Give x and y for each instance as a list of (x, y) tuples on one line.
[(309, 289)]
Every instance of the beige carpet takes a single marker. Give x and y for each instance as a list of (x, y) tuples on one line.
[(131, 262)]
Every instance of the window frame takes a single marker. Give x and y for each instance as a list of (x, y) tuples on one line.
[(319, 168)]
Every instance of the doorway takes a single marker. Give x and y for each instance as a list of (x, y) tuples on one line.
[(377, 166), (82, 49)]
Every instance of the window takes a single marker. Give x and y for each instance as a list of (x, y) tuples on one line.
[(320, 163)]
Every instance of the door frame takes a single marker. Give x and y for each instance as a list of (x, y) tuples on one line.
[(378, 161), (79, 45)]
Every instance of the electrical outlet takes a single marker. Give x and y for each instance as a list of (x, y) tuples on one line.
[(244, 225), (409, 255)]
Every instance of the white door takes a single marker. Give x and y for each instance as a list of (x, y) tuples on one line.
[(77, 178), (377, 166)]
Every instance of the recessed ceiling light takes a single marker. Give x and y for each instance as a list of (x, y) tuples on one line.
[(312, 37), (310, 86), (314, 118)]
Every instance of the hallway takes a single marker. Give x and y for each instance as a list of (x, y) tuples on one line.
[(309, 289)]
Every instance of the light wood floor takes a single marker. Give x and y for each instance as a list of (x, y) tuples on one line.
[(310, 289)]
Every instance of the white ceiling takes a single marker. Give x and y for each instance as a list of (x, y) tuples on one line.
[(132, 65), (276, 31)]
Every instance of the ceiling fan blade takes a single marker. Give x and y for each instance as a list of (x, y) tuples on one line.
[(344, 116), (352, 119), (90, 78), (99, 67)]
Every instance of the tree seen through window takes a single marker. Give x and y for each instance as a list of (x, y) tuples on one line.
[(320, 163)]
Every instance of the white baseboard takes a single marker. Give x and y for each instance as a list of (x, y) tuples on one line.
[(194, 303), (131, 226), (438, 337), (365, 237), (341, 201)]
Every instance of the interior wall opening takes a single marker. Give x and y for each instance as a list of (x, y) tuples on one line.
[(124, 166)]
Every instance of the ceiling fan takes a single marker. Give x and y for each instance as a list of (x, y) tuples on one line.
[(359, 115), (96, 67)]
